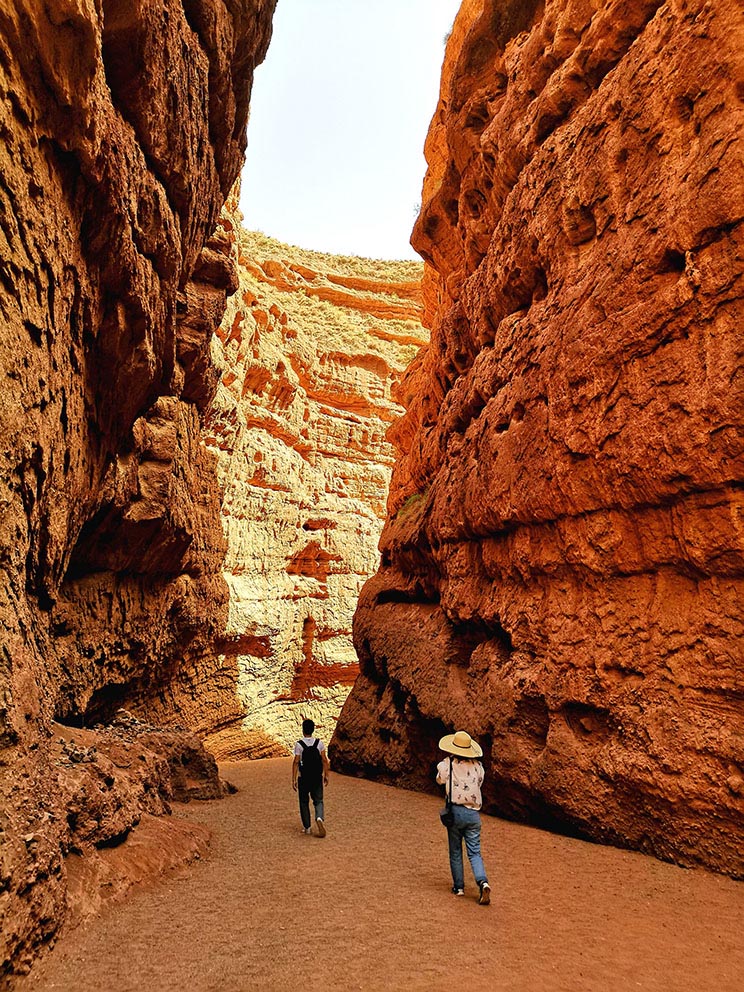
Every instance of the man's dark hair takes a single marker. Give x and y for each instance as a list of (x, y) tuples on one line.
[(308, 726)]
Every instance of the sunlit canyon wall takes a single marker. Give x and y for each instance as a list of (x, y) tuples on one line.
[(563, 557), (310, 351)]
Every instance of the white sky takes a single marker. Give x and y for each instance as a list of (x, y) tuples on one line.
[(339, 114)]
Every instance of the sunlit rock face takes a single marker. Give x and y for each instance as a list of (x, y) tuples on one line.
[(311, 351), (562, 562), (123, 128)]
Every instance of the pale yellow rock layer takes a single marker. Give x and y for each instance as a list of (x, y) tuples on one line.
[(310, 352)]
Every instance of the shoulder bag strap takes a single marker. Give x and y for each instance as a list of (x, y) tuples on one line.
[(449, 796)]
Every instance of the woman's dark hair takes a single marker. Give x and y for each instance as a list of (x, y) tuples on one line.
[(308, 726)]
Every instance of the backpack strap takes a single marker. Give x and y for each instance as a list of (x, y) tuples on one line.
[(303, 745), (316, 742)]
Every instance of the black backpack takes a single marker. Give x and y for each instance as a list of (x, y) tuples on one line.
[(311, 763)]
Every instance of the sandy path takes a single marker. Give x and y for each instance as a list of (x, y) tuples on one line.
[(369, 908)]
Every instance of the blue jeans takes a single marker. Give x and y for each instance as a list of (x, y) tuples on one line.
[(467, 827), (305, 790)]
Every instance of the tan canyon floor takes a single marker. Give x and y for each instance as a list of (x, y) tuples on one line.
[(369, 908)]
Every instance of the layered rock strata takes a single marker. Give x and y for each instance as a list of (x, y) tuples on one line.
[(563, 561), (311, 350), (123, 127)]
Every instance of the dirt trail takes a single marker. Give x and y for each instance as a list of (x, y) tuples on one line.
[(369, 908)]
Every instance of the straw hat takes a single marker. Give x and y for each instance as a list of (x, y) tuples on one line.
[(461, 744)]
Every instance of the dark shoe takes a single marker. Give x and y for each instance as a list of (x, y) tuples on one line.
[(321, 827), (485, 894), (457, 892)]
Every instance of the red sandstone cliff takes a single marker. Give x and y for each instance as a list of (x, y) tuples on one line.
[(563, 560), (123, 127)]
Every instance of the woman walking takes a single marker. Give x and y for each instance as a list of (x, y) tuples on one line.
[(465, 773)]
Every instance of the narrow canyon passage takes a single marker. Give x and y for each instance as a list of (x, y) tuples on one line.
[(239, 488), (368, 908)]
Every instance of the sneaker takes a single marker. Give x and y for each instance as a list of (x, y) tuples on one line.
[(321, 827), (485, 894), (306, 830), (457, 892)]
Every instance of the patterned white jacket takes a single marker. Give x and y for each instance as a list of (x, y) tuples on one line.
[(467, 776)]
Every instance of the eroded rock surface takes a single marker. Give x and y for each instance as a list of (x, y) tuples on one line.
[(123, 128), (311, 351), (563, 560)]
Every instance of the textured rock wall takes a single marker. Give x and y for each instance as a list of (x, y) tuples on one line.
[(563, 561), (123, 128), (311, 350)]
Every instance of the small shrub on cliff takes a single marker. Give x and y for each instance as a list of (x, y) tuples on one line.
[(414, 502)]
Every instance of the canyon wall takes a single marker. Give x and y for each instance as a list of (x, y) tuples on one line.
[(563, 561), (311, 351), (123, 126)]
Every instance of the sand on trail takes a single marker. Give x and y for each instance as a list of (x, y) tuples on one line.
[(369, 908)]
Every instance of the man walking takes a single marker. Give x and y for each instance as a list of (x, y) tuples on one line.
[(309, 774)]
